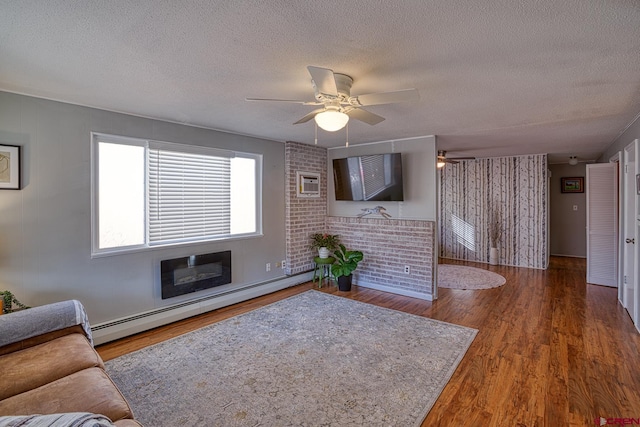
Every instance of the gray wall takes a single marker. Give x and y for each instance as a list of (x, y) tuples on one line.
[(627, 137), (419, 176), (45, 228), (568, 235)]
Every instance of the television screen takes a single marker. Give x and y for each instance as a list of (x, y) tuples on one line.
[(375, 177)]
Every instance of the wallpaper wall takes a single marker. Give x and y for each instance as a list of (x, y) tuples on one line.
[(517, 188)]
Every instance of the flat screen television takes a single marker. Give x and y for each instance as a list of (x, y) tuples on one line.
[(375, 177)]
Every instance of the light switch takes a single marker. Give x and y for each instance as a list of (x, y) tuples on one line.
[(575, 207)]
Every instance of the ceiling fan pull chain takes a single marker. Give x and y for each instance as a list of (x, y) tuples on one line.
[(347, 143), (316, 138)]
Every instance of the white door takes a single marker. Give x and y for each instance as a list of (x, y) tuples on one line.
[(602, 224), (629, 236)]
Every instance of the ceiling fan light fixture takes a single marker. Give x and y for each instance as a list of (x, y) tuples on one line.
[(331, 120), (573, 160)]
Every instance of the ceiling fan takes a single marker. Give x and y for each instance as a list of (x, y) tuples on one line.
[(337, 105), (443, 159)]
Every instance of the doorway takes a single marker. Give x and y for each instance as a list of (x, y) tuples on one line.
[(630, 295)]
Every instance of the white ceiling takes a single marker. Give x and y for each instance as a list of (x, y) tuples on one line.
[(495, 77)]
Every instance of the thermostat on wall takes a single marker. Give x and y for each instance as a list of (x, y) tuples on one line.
[(308, 184)]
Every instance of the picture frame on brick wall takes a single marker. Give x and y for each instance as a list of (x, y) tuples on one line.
[(307, 184)]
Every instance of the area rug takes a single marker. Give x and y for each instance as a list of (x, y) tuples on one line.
[(313, 359), (464, 277)]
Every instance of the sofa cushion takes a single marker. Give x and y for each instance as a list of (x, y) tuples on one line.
[(39, 339), (69, 419), (36, 366), (89, 390)]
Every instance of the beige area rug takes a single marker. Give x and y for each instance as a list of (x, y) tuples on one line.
[(464, 277), (313, 359)]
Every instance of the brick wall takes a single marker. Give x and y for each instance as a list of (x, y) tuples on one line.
[(388, 246), (303, 216)]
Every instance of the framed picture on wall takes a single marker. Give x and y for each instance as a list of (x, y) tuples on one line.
[(573, 184), (9, 167)]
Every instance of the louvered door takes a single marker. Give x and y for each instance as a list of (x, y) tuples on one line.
[(602, 224)]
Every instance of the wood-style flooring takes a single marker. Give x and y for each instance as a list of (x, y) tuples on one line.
[(551, 349)]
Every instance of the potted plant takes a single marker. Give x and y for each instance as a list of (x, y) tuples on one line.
[(7, 299), (346, 262), (325, 243), (495, 231)]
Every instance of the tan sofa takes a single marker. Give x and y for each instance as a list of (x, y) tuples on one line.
[(48, 366)]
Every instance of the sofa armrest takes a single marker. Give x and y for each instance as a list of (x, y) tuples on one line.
[(25, 324)]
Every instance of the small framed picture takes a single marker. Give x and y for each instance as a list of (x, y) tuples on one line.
[(572, 184), (10, 176)]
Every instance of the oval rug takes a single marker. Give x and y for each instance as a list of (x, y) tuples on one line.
[(463, 277)]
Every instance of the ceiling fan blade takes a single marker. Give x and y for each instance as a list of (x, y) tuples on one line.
[(309, 116), (293, 101), (388, 97), (453, 162), (462, 158), (324, 80), (365, 116)]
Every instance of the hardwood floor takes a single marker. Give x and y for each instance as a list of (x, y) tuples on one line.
[(551, 350)]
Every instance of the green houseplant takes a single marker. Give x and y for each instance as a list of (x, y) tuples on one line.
[(8, 299), (324, 240), (346, 262)]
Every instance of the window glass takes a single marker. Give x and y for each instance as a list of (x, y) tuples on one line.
[(151, 194)]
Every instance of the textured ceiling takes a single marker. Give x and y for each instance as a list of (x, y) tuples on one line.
[(495, 77)]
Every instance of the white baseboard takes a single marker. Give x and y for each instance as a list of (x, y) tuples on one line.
[(125, 326), (569, 256), (392, 290)]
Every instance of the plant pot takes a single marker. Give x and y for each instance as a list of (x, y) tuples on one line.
[(323, 252), (493, 256), (344, 283)]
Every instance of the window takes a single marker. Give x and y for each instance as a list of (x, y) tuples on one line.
[(149, 194)]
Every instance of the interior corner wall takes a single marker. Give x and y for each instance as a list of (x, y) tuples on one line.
[(567, 214), (519, 186), (303, 215)]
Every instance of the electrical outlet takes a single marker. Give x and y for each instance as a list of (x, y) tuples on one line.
[(283, 263), (268, 268), (407, 269)]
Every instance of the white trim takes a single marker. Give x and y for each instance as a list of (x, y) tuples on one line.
[(392, 290), (129, 325)]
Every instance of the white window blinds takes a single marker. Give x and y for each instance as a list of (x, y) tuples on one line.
[(189, 196)]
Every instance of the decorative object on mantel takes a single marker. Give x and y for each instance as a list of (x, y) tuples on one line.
[(346, 262), (465, 277), (7, 299), (377, 210), (495, 231), (325, 243)]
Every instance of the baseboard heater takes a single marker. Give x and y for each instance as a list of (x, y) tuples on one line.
[(129, 325)]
